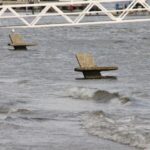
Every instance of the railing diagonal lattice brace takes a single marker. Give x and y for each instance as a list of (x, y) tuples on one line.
[(105, 11), (127, 10), (144, 4), (113, 16), (39, 16), (62, 14), (18, 16), (83, 13), (3, 10)]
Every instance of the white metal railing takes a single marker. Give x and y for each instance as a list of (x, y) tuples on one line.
[(54, 14)]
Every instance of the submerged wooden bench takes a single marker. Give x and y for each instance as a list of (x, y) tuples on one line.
[(17, 42), (88, 67)]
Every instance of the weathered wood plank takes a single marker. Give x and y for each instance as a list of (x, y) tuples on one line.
[(97, 68), (85, 60)]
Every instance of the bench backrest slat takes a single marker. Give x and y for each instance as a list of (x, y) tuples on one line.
[(16, 39), (85, 60)]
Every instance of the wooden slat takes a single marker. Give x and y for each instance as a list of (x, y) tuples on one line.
[(17, 39), (85, 60)]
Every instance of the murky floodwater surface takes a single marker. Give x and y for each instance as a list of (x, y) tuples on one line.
[(43, 106)]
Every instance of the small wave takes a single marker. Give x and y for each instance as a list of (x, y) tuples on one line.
[(104, 96), (22, 81), (27, 118), (21, 110), (8, 80), (119, 41), (145, 38), (3, 116), (94, 94), (4, 109), (30, 115), (129, 130), (13, 81), (80, 93), (6, 113)]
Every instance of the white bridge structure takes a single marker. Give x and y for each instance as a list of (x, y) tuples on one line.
[(73, 13)]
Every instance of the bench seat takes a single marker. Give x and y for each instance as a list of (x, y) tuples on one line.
[(96, 68)]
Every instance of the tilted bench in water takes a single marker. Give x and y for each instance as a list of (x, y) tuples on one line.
[(18, 43), (88, 67)]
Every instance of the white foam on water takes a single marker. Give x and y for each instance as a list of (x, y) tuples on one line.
[(129, 130), (80, 93), (3, 116), (147, 147), (96, 94)]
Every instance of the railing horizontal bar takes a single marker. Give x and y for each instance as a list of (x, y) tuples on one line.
[(80, 24), (62, 3), (74, 13)]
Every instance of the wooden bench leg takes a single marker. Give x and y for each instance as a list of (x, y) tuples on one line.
[(92, 74), (20, 47)]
